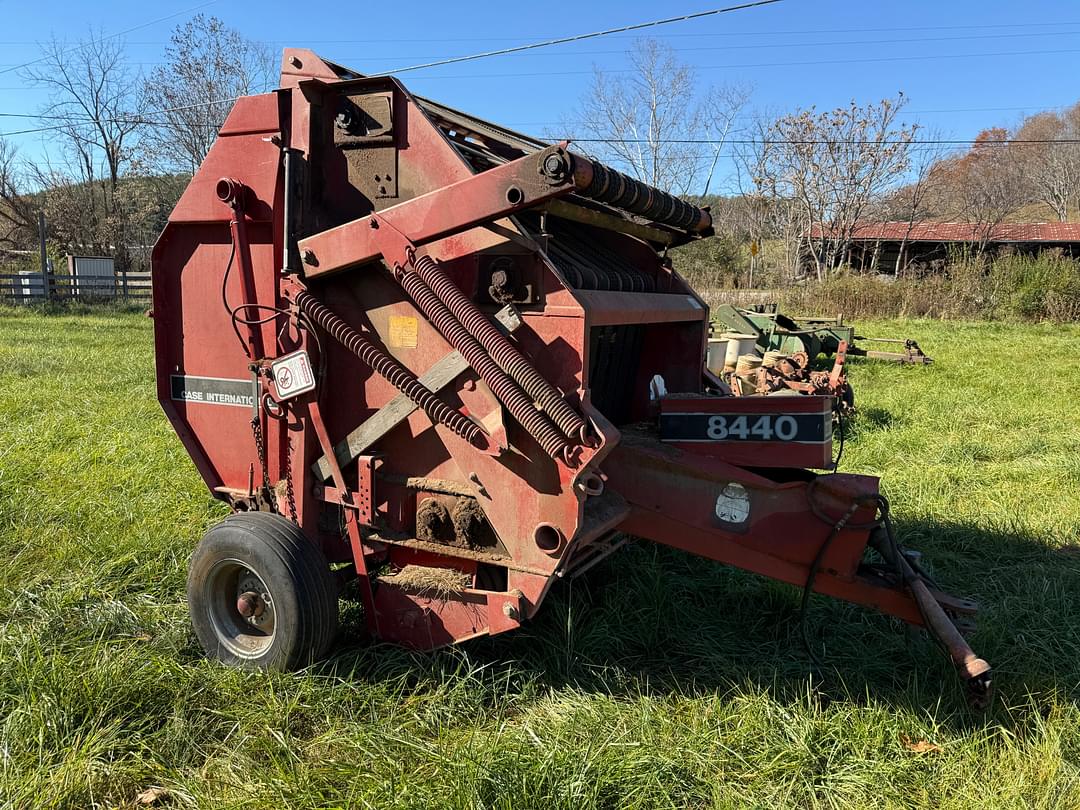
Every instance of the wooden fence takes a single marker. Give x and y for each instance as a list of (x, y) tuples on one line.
[(31, 288)]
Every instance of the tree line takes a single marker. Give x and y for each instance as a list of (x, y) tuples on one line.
[(121, 146), (813, 171)]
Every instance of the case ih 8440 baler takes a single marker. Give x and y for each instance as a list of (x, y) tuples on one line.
[(451, 362)]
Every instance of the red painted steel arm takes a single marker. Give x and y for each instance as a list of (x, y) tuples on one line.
[(676, 499), (484, 197)]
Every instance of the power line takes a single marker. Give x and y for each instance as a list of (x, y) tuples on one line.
[(119, 33), (580, 37), (823, 141), (753, 46), (770, 33), (762, 64)]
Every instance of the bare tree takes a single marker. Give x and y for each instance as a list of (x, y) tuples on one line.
[(984, 185), (655, 123), (720, 111), (18, 212), (834, 164), (913, 202), (771, 212), (207, 65), (93, 95)]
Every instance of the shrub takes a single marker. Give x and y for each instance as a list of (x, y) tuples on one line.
[(1011, 286)]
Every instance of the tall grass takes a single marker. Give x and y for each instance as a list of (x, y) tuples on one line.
[(660, 680), (1045, 287)]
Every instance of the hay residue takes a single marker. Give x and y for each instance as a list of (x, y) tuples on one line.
[(429, 581), (471, 527), (433, 522)]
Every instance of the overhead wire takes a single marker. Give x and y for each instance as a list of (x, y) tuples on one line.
[(592, 35), (767, 45), (770, 33), (805, 63), (120, 33), (144, 118), (741, 47)]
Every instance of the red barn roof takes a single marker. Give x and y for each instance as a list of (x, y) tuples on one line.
[(1049, 232)]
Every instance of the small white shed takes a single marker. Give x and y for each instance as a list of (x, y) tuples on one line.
[(92, 276)]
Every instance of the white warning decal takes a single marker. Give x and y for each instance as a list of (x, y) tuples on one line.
[(292, 375), (733, 504)]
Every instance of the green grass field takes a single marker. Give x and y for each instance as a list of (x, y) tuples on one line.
[(660, 681)]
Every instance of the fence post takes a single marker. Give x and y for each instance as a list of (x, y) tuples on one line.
[(124, 284), (44, 256)]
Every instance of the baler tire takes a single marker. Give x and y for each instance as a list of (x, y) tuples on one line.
[(296, 575)]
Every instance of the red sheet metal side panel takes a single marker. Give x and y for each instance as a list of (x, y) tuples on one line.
[(244, 152), (192, 329)]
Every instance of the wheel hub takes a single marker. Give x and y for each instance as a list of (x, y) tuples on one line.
[(250, 605)]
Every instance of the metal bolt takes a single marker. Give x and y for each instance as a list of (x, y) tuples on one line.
[(555, 167), (294, 61), (309, 256), (510, 612)]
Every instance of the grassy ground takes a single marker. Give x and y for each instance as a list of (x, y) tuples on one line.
[(663, 681)]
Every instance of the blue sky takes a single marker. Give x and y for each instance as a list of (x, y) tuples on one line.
[(963, 65)]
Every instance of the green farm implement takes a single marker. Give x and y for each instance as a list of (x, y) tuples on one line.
[(777, 332)]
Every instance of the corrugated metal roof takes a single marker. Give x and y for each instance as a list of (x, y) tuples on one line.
[(963, 232)]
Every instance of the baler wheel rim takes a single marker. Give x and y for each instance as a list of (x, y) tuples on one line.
[(228, 582)]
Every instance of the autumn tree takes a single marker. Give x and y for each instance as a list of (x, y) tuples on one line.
[(983, 185), (833, 165), (207, 66)]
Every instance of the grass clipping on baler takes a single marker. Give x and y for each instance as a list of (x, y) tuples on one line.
[(439, 582)]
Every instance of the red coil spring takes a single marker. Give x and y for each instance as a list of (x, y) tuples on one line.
[(390, 370), (509, 358), (509, 392)]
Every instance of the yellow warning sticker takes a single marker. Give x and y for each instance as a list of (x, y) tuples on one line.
[(402, 332)]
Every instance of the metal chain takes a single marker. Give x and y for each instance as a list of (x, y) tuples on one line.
[(260, 447), (290, 494)]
